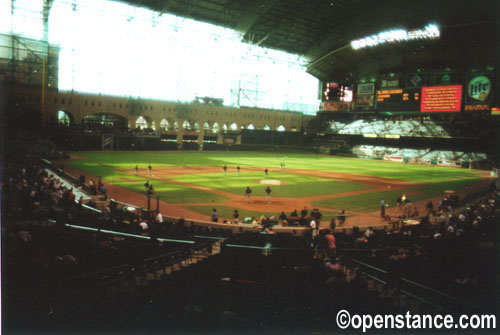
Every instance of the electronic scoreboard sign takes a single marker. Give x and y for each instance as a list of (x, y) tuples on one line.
[(441, 98), (399, 99), (425, 99)]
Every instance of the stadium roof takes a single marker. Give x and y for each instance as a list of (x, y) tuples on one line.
[(323, 29)]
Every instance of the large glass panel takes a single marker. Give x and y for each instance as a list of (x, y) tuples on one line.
[(113, 48)]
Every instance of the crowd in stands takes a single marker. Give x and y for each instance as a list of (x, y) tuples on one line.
[(260, 281), (426, 156), (412, 127), (450, 250)]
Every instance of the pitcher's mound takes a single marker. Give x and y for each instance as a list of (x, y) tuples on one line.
[(270, 182)]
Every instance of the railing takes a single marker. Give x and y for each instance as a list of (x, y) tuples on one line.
[(63, 174), (102, 278), (437, 299), (116, 233)]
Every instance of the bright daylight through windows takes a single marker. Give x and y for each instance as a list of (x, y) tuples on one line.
[(116, 49)]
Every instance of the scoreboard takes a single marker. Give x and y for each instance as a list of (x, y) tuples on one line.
[(399, 99), (425, 99)]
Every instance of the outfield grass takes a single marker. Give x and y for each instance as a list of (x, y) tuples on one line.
[(293, 185), (370, 202), (410, 172), (437, 179)]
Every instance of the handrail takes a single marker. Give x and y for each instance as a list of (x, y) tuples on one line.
[(368, 266), (123, 266), (414, 284), (92, 209), (435, 291), (111, 275), (126, 204), (112, 232)]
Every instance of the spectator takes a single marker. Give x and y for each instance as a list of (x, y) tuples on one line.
[(314, 228), (102, 189), (159, 217), (331, 245), (303, 213), (236, 215), (333, 224), (215, 215)]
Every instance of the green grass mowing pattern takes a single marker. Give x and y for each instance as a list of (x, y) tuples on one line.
[(104, 164), (295, 186), (168, 192), (411, 172), (370, 202)]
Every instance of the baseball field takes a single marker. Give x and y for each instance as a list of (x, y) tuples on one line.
[(191, 184)]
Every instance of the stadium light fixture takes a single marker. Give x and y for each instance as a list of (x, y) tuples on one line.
[(430, 31)]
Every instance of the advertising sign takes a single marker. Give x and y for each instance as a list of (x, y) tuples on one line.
[(441, 98), (446, 78), (365, 97), (479, 89), (416, 80), (386, 83), (331, 106), (479, 92), (364, 89), (365, 102)]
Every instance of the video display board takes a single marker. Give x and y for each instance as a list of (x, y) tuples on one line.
[(441, 98), (400, 99), (333, 91)]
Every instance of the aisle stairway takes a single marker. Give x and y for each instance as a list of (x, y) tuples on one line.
[(150, 277)]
